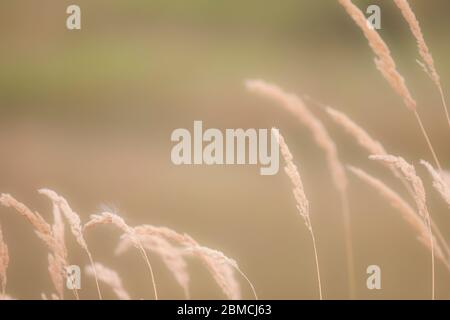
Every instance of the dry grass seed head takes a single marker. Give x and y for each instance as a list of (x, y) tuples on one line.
[(384, 61), (110, 278), (171, 255), (297, 107), (440, 184)]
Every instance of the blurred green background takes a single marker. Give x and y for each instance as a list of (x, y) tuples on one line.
[(89, 113)]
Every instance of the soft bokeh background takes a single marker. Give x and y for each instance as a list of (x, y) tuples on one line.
[(89, 113)]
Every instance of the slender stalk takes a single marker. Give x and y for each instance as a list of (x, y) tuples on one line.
[(147, 261), (95, 275), (317, 265), (348, 245), (248, 281), (409, 172), (444, 103), (432, 260), (299, 194), (427, 138), (440, 237)]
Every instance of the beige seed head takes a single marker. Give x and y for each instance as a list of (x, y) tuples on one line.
[(297, 107), (440, 184), (110, 278), (384, 61)]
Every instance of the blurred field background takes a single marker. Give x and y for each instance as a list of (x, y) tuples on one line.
[(89, 114)]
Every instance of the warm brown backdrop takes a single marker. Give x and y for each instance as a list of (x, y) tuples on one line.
[(90, 113)]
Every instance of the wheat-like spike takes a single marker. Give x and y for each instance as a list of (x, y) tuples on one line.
[(58, 253), (373, 146), (362, 137), (222, 269), (297, 107), (170, 254), (407, 212), (41, 227), (368, 143), (293, 174), (384, 61), (393, 198), (56, 269), (410, 175), (299, 194), (446, 176), (57, 263), (164, 232), (424, 51), (109, 218), (58, 228), (110, 278), (114, 219), (72, 217), (439, 183), (386, 65), (416, 183), (61, 204), (222, 275), (4, 262)]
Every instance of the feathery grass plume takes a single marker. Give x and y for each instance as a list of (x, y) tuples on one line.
[(299, 194), (57, 263), (56, 269), (297, 107), (171, 256), (384, 61), (362, 137), (446, 176), (424, 51), (222, 269), (368, 143), (61, 204), (386, 65), (439, 183), (407, 212), (410, 175), (57, 257), (222, 273), (114, 219), (372, 146), (110, 278), (42, 229), (4, 262)]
